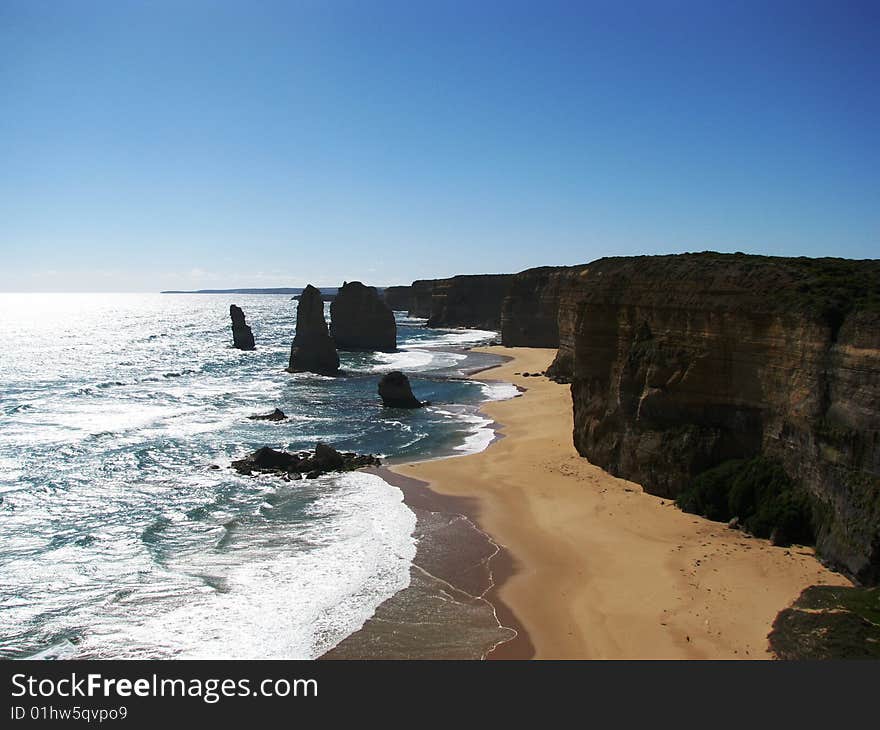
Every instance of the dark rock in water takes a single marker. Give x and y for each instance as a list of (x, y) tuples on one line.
[(283, 463), (242, 337), (276, 415), (361, 320), (313, 349), (395, 391)]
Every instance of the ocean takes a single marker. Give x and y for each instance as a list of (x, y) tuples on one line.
[(119, 535)]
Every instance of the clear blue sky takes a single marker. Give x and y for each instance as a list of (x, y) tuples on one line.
[(151, 145)]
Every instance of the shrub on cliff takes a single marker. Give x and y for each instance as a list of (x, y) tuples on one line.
[(759, 493)]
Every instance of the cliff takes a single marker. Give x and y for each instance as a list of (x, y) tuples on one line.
[(681, 363), (399, 298), (530, 310), (361, 320), (313, 350), (422, 292), (469, 301)]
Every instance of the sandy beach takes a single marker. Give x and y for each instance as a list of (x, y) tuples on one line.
[(602, 570)]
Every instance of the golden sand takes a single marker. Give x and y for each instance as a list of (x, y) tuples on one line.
[(604, 570)]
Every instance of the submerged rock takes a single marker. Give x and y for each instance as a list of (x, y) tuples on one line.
[(395, 391), (313, 350), (361, 320), (242, 337), (325, 459), (276, 415)]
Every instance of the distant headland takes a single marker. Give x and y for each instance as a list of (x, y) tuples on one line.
[(277, 290)]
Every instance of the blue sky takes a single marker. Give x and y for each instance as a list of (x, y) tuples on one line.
[(191, 144)]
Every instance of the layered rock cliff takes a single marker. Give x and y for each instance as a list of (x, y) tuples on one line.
[(530, 310), (421, 296), (242, 337), (361, 320), (469, 301), (399, 298), (313, 350), (681, 363)]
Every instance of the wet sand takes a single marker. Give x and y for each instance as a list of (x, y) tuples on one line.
[(596, 568)]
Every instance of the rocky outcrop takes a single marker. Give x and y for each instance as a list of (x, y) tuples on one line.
[(395, 391), (276, 415), (399, 298), (242, 337), (829, 622), (313, 349), (303, 464), (361, 320), (469, 301), (530, 310), (682, 363), (422, 293)]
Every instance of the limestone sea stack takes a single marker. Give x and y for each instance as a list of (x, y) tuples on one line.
[(242, 337), (361, 320), (313, 349), (395, 391)]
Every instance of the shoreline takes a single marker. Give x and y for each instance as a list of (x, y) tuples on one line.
[(597, 567), (458, 566)]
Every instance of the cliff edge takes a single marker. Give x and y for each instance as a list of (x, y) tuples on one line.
[(681, 363)]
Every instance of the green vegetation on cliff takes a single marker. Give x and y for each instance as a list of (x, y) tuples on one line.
[(756, 491), (829, 622)]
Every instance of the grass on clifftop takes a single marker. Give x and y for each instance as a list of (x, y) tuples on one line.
[(759, 493), (829, 622)]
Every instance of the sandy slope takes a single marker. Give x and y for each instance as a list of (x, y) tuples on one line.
[(605, 570)]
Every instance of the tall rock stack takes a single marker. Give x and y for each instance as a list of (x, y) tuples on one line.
[(313, 349), (242, 337), (361, 320)]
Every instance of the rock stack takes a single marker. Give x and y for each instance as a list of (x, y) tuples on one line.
[(313, 349), (361, 320), (395, 391), (242, 337)]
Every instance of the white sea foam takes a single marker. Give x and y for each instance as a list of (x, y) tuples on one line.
[(275, 604), (409, 360)]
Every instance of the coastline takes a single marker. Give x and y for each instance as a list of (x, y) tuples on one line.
[(598, 568)]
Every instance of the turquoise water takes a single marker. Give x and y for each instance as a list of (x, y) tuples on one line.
[(120, 538)]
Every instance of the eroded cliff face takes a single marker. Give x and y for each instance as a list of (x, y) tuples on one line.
[(679, 363), (399, 298), (530, 310), (469, 301), (421, 297)]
